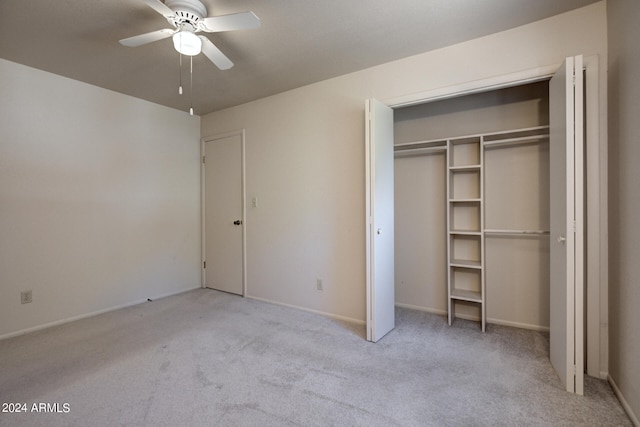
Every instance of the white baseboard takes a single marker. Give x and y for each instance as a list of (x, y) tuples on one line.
[(308, 310), (437, 311), (425, 309), (538, 328), (623, 402), (91, 314), (477, 319)]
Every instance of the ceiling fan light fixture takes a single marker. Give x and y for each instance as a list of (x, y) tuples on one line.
[(187, 43)]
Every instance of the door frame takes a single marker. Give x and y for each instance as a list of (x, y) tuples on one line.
[(203, 142), (596, 146)]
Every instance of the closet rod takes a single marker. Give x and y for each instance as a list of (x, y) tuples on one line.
[(517, 232), (519, 140)]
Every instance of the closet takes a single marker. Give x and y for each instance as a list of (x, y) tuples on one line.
[(520, 215), (472, 206)]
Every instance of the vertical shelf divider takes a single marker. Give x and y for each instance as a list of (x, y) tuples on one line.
[(465, 225), (483, 307), (450, 303)]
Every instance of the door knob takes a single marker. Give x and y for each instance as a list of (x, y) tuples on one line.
[(237, 222), (561, 239)]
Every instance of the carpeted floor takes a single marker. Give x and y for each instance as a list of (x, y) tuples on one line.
[(205, 358)]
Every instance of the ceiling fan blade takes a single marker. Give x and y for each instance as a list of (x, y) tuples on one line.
[(160, 7), (215, 55), (141, 39), (235, 21)]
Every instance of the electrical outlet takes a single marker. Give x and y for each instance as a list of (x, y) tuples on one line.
[(319, 285), (26, 297)]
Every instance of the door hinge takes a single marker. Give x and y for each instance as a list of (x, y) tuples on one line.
[(204, 264), (573, 370), (202, 159), (574, 226)]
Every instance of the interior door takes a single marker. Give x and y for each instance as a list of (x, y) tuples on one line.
[(379, 220), (566, 99), (223, 214)]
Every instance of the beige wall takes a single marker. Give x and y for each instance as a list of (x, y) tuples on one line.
[(624, 199), (492, 111), (99, 199), (305, 156)]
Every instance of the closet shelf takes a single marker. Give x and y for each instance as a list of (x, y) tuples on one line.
[(423, 143), (464, 168), (466, 232), (517, 136), (465, 263), (436, 145), (409, 152), (516, 133), (466, 200), (465, 295), (520, 140)]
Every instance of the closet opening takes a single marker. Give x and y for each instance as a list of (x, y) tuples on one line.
[(492, 197), (435, 247)]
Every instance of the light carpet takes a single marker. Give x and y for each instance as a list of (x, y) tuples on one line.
[(206, 358)]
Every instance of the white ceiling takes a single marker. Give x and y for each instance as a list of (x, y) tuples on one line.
[(300, 41)]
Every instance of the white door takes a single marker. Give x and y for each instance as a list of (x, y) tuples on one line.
[(223, 214), (379, 220), (567, 224)]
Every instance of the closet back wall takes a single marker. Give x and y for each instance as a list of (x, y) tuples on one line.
[(516, 197)]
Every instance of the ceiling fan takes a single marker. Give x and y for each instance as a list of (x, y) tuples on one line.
[(188, 17)]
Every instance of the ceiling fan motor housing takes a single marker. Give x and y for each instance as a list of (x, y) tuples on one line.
[(189, 17), (186, 12)]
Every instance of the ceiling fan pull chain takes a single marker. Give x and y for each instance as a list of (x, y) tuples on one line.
[(180, 75), (191, 89)]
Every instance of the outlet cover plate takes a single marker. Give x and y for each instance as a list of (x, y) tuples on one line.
[(26, 297)]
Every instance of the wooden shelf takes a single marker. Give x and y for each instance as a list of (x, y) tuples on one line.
[(419, 148), (473, 200), (466, 232), (466, 168), (465, 295), (518, 140), (464, 263), (517, 136)]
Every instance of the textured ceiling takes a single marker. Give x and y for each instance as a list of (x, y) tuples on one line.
[(300, 41)]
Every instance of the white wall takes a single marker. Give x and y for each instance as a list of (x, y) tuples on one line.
[(305, 156), (99, 199), (624, 178)]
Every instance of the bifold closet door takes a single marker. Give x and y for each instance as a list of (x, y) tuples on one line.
[(566, 159), (379, 219)]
